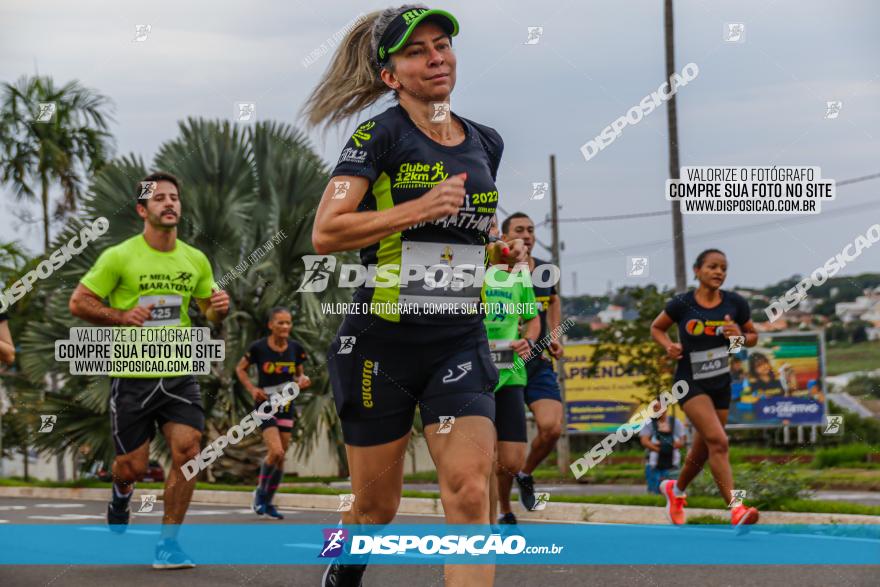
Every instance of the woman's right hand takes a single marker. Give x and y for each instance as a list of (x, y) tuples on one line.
[(445, 198), (674, 351), (259, 394)]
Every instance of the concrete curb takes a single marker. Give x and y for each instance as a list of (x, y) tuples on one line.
[(559, 512)]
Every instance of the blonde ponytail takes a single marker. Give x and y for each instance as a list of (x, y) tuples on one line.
[(352, 81)]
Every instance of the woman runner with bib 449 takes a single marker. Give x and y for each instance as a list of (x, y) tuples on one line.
[(707, 318), (414, 190)]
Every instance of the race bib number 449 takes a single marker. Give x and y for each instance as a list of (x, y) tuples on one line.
[(711, 363)]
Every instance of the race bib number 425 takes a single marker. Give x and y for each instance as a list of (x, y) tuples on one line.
[(165, 312)]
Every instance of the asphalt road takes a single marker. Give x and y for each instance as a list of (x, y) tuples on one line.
[(47, 511)]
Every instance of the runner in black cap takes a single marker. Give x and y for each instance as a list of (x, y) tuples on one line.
[(414, 187)]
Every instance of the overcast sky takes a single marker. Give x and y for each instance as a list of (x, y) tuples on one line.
[(758, 102)]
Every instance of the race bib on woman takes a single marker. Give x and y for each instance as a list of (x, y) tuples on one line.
[(440, 273), (711, 363)]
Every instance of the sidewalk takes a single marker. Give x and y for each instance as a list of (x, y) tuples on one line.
[(554, 512)]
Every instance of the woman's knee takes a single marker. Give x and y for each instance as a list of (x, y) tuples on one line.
[(717, 443)]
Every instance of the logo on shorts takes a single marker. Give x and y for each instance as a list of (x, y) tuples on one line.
[(147, 503), (463, 370), (317, 274), (736, 343), (346, 500), (446, 423), (367, 381), (334, 540), (47, 422)]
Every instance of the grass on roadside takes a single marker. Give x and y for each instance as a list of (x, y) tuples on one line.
[(845, 357)]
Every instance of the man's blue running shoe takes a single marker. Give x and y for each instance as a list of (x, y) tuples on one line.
[(169, 556)]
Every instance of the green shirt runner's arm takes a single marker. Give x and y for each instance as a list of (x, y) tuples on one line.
[(86, 302)]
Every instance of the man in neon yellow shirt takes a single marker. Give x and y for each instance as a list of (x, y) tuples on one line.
[(149, 280), (509, 297)]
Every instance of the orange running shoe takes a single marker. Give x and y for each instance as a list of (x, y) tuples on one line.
[(742, 515), (674, 504)]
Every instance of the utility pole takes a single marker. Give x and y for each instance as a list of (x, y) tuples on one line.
[(562, 447), (672, 124)]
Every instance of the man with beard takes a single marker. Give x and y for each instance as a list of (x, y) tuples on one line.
[(149, 280)]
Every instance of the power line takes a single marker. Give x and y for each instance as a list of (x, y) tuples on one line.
[(616, 216), (858, 179), (738, 230)]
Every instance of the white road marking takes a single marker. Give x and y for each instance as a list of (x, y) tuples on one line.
[(67, 517), (6, 508), (128, 531), (59, 505)]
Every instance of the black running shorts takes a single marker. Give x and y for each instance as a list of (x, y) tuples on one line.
[(510, 414), (137, 406), (720, 396), (387, 369), (284, 418)]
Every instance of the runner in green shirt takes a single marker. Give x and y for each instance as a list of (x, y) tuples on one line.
[(509, 298), (149, 281)]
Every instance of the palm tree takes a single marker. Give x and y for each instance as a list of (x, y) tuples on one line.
[(43, 147), (239, 187), (14, 430)]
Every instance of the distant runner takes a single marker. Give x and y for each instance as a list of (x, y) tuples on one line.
[(705, 317), (279, 360)]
